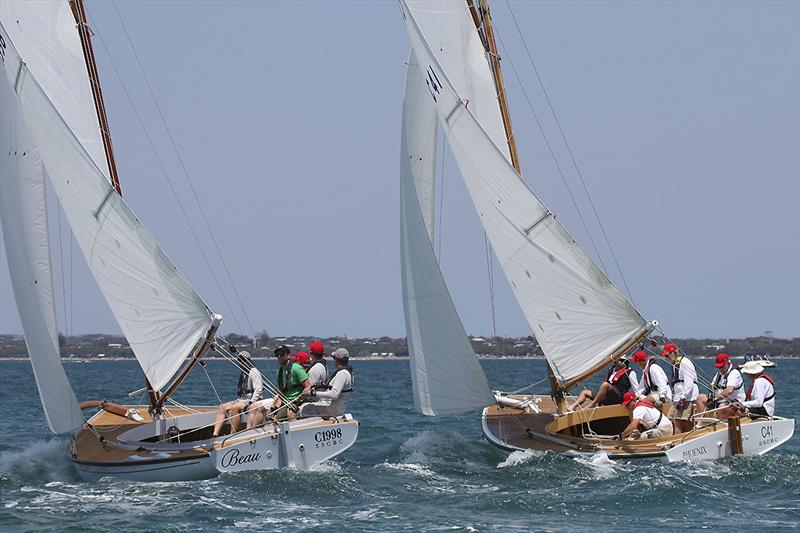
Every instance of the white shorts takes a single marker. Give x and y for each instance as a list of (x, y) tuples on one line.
[(657, 433)]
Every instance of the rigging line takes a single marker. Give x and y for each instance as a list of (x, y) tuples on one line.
[(571, 155), (185, 171), (63, 284), (552, 153), (166, 175)]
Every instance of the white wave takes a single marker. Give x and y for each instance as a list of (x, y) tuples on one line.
[(520, 457), (327, 467), (414, 468), (601, 466), (42, 460)]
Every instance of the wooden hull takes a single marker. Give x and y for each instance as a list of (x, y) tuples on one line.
[(583, 432), (113, 445)]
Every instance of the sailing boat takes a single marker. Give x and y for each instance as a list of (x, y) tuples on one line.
[(54, 127), (582, 322)]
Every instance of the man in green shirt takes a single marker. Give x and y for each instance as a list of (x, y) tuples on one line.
[(293, 383)]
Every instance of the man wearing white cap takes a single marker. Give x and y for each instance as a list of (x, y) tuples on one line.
[(333, 400), (760, 398)]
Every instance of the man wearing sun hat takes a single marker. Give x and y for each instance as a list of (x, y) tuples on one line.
[(727, 387), (654, 386), (646, 418), (760, 397), (684, 387)]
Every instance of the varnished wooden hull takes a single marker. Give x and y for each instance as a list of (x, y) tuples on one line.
[(113, 445), (582, 432)]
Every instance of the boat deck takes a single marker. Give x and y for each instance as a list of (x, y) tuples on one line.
[(519, 429), (88, 448)]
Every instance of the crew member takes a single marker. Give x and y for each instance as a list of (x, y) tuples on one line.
[(303, 359), (646, 418), (684, 388), (248, 391), (318, 371), (760, 397), (654, 386), (611, 391), (293, 388), (727, 387), (333, 400)]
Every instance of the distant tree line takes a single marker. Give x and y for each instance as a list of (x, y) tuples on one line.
[(116, 346)]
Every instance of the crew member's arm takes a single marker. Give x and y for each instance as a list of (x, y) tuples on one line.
[(758, 394), (660, 381), (633, 426), (337, 384), (306, 388), (636, 385), (258, 384)]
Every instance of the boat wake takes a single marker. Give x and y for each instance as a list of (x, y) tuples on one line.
[(37, 462)]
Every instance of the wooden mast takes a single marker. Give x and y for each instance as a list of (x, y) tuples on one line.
[(483, 23), (79, 13)]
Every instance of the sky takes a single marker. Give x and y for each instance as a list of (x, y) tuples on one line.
[(683, 117)]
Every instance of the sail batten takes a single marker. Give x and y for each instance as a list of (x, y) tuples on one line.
[(576, 313), (159, 313)]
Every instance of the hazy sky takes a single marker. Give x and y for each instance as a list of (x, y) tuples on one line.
[(684, 118)]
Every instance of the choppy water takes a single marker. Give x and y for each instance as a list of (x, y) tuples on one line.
[(406, 472)]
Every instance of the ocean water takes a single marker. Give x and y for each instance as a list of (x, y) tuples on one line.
[(406, 472)]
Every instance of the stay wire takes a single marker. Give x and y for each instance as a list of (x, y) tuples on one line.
[(185, 171), (571, 155), (166, 175), (552, 154)]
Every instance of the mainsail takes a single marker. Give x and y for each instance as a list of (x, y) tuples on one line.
[(445, 373), (156, 308), (579, 318)]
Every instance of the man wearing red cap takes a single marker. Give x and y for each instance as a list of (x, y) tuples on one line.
[(654, 386), (727, 387), (618, 381), (684, 387), (645, 418), (303, 360), (318, 371)]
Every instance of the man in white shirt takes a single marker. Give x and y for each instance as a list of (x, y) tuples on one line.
[(760, 397), (333, 401), (654, 386), (727, 387), (318, 371), (684, 387), (249, 391), (650, 421)]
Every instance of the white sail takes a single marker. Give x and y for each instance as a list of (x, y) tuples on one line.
[(45, 34), (451, 30), (156, 308), (23, 215), (446, 375), (579, 318)]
